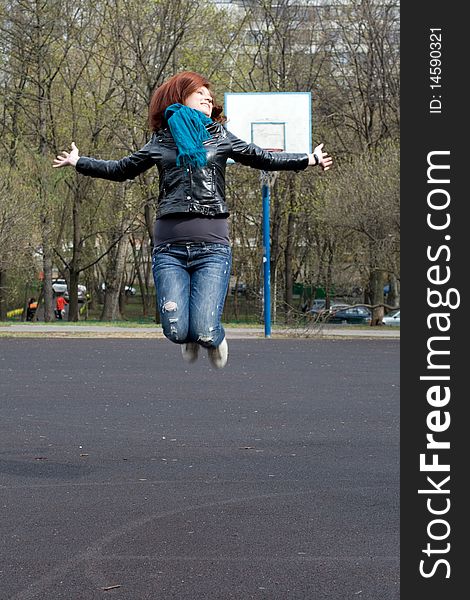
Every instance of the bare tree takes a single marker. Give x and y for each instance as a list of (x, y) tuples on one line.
[(16, 216), (364, 200), (362, 88), (31, 32)]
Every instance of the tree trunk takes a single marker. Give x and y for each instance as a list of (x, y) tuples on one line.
[(47, 279), (74, 266), (137, 261), (376, 288), (114, 276), (41, 130), (394, 294), (3, 301), (72, 285), (275, 246), (293, 185), (288, 255)]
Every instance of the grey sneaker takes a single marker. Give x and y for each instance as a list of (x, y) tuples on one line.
[(190, 352), (218, 356)]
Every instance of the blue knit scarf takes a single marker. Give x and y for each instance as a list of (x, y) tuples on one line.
[(187, 126)]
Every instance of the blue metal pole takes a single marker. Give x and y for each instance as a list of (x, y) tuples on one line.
[(266, 261)]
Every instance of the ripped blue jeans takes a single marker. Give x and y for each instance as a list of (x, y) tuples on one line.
[(191, 281)]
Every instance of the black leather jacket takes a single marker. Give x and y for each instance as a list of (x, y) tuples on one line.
[(189, 189)]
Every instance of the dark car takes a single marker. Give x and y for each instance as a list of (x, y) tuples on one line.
[(354, 315)]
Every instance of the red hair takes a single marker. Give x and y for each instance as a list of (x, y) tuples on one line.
[(176, 90)]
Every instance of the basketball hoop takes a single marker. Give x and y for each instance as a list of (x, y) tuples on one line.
[(277, 122), (269, 177)]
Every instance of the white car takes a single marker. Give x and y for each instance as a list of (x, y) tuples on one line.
[(59, 286), (129, 290), (392, 318)]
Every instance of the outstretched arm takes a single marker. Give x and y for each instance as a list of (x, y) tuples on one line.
[(115, 170), (252, 155)]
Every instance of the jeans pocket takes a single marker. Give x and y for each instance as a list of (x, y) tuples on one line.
[(160, 248)]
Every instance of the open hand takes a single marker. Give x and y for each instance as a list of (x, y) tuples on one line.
[(67, 158), (324, 159)]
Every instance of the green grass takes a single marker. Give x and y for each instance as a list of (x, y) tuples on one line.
[(228, 325), (248, 318)]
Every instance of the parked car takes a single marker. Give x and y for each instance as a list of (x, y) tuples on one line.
[(318, 307), (392, 318), (353, 315), (129, 290), (335, 306), (59, 286)]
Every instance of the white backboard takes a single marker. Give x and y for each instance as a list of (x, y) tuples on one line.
[(273, 120)]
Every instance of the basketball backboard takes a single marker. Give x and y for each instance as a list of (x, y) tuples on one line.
[(271, 120)]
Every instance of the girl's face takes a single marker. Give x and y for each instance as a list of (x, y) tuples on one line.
[(201, 100)]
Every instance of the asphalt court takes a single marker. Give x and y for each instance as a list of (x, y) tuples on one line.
[(126, 473)]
